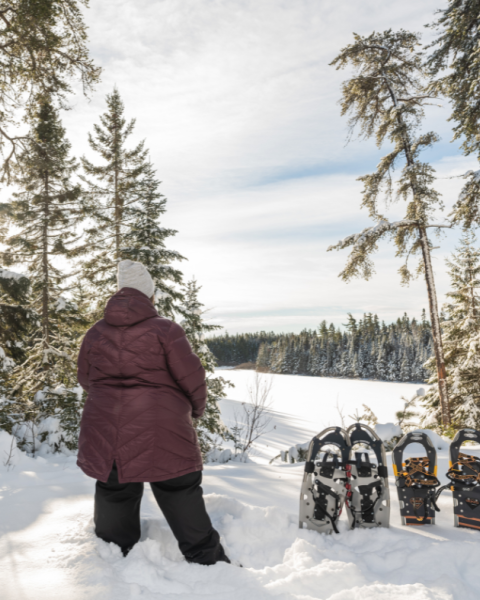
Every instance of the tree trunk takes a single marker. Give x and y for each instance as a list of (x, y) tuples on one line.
[(117, 218), (118, 213), (436, 331), (45, 294), (432, 294)]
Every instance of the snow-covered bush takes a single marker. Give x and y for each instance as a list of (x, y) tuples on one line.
[(389, 433), (294, 454), (219, 455), (51, 423), (10, 455)]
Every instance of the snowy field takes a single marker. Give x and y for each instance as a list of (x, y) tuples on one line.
[(48, 549), (300, 407)]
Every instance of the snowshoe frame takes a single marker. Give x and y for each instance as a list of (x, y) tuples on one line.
[(368, 497), (416, 480), (464, 474), (323, 491)]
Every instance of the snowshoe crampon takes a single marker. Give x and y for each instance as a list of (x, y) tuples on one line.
[(324, 480), (368, 498), (416, 480), (464, 473)]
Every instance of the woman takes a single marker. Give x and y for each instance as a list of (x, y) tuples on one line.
[(144, 385)]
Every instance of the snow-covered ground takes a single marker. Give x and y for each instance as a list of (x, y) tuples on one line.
[(300, 407), (48, 549)]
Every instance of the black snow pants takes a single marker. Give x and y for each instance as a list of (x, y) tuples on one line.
[(117, 515)]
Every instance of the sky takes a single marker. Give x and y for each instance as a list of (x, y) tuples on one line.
[(239, 109)]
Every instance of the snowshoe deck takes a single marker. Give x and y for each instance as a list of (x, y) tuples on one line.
[(464, 473), (416, 480), (368, 497), (324, 481)]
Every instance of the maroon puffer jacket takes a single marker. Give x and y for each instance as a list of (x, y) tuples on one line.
[(144, 385)]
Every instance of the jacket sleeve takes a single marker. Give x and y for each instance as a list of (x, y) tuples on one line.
[(83, 366), (186, 369)]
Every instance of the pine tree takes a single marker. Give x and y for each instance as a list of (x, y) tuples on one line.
[(462, 338), (455, 58), (115, 189), (385, 98), (42, 49), (44, 211), (145, 241), (195, 327), (15, 318), (15, 315)]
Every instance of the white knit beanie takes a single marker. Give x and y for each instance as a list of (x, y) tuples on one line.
[(134, 275)]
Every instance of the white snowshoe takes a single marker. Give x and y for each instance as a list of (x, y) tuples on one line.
[(368, 497), (324, 481)]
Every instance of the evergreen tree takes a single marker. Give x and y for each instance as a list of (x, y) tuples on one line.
[(455, 58), (385, 98), (115, 189), (396, 352), (15, 318), (15, 315), (195, 327), (144, 241), (42, 49), (462, 338), (44, 212)]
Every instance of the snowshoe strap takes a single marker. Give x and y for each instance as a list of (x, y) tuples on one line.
[(416, 473), (466, 470), (382, 471), (318, 505)]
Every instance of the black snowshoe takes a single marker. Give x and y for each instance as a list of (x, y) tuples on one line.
[(368, 497), (324, 480), (464, 473), (416, 480)]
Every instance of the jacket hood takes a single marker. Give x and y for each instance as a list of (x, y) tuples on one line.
[(127, 307)]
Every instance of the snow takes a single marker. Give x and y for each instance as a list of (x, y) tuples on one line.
[(301, 406), (6, 274), (10, 455), (387, 431), (61, 304), (48, 548)]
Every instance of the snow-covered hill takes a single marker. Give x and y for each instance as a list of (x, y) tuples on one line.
[(48, 549)]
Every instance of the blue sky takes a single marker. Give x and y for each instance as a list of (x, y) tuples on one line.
[(239, 107)]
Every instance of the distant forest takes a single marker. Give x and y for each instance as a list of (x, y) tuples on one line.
[(366, 349)]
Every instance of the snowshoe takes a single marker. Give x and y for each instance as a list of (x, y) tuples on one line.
[(324, 481), (464, 474), (416, 480), (368, 498)]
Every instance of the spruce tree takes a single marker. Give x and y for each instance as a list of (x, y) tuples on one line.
[(386, 98), (44, 212), (195, 327), (15, 316), (15, 319), (455, 59), (113, 188), (125, 205), (42, 50), (461, 338), (144, 241)]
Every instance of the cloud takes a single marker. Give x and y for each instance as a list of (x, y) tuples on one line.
[(239, 107)]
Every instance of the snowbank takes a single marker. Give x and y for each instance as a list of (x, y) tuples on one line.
[(279, 560)]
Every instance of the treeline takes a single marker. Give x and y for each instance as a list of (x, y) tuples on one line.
[(367, 349)]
